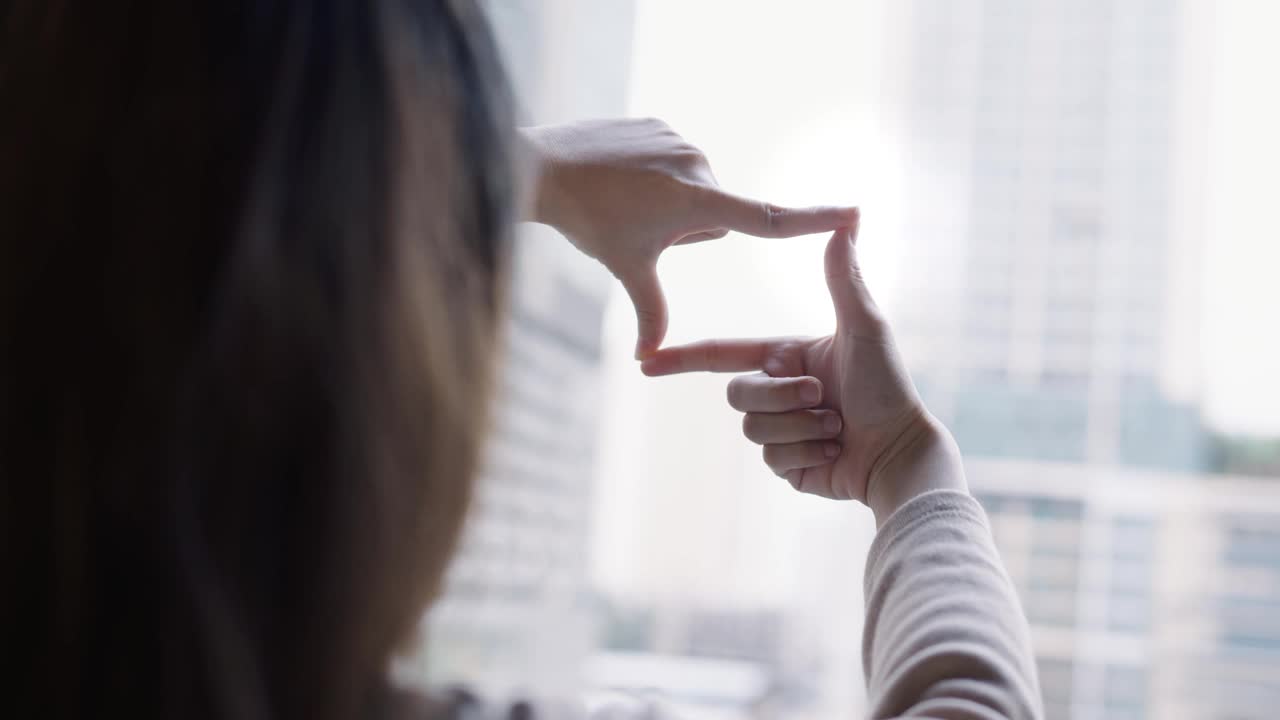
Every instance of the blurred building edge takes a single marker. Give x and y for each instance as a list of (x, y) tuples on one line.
[(1244, 455), (710, 662), (1151, 594), (1059, 148), (514, 618)]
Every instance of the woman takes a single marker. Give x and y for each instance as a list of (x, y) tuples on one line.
[(253, 258)]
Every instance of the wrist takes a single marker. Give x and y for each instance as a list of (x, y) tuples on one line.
[(544, 197), (925, 458)]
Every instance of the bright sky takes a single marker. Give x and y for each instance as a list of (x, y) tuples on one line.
[(1241, 330)]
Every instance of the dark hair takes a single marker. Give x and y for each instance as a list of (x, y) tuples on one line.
[(251, 259)]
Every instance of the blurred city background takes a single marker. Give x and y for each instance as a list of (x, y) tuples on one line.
[(1068, 217)]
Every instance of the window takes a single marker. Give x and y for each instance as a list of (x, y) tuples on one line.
[(1032, 177)]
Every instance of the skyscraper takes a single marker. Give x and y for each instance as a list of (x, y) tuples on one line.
[(1046, 149), (1041, 175)]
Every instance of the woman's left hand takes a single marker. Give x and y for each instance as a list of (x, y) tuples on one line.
[(625, 190)]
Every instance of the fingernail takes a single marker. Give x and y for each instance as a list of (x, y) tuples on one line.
[(831, 423), (810, 392), (831, 450)]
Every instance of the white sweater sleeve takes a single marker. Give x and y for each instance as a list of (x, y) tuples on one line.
[(945, 636)]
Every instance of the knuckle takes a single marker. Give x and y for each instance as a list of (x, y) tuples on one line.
[(690, 155), (734, 394), (797, 389), (703, 194), (776, 363), (648, 320), (792, 347), (646, 315), (772, 216), (876, 322), (786, 394), (753, 427), (711, 353), (772, 456), (821, 428)]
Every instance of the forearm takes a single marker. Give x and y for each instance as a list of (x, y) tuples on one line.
[(945, 635)]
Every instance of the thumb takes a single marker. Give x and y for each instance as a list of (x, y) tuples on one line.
[(651, 308), (856, 311)]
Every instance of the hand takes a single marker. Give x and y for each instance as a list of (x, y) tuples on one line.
[(625, 190), (887, 447)]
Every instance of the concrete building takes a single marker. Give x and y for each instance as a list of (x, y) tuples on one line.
[(1150, 594), (1047, 148), (1050, 148)]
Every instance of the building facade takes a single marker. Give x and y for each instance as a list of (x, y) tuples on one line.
[(1046, 158), (1043, 152), (1150, 594)]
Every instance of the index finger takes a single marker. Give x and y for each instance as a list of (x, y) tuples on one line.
[(709, 356), (767, 220)]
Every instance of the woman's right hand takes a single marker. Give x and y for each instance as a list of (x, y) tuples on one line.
[(838, 416)]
